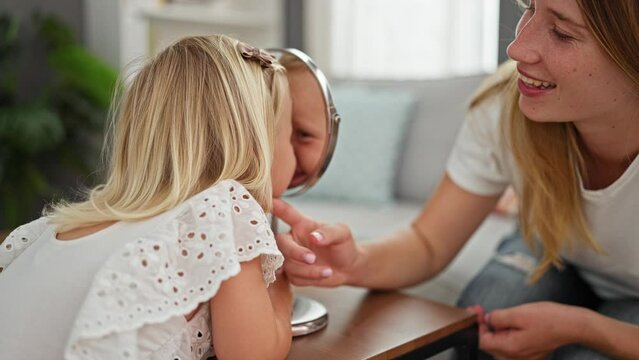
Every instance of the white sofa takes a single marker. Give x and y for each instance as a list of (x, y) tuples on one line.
[(440, 109)]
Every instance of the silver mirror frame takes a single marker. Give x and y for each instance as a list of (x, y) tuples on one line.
[(333, 118)]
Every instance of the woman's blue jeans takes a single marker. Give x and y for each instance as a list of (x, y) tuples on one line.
[(502, 283)]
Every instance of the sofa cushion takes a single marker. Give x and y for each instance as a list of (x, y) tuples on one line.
[(439, 113), (366, 160)]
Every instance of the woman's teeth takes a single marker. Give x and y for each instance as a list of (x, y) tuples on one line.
[(537, 83)]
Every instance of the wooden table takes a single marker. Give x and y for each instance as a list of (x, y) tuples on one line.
[(385, 325)]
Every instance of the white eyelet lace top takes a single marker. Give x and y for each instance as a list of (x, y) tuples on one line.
[(123, 292)]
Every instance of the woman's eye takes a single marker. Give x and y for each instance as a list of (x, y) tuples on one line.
[(561, 36)]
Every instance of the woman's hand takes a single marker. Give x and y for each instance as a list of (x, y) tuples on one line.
[(529, 331), (316, 253)]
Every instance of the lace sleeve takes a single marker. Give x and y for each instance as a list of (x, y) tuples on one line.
[(162, 276), (251, 229), (20, 239)]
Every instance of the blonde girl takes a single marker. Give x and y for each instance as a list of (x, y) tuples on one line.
[(172, 255)]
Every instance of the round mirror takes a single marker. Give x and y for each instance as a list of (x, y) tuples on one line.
[(315, 119), (315, 127)]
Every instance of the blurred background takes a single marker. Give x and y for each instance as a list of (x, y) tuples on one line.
[(419, 59)]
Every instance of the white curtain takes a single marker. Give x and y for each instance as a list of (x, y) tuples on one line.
[(413, 39)]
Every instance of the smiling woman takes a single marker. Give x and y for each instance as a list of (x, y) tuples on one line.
[(559, 124), (573, 105)]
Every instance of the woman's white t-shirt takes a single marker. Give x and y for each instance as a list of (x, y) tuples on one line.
[(481, 164), (123, 292)]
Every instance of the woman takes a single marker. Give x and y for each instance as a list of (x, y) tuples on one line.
[(567, 141)]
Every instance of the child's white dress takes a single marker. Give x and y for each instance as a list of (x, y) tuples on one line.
[(123, 292)]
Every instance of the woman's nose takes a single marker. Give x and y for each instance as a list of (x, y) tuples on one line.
[(525, 47)]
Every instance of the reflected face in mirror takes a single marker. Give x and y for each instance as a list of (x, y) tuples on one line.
[(310, 128)]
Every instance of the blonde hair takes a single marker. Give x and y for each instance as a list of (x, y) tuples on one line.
[(547, 154), (195, 114)]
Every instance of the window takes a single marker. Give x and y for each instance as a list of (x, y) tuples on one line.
[(412, 39)]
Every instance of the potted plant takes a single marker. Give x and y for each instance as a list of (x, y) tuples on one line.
[(48, 143)]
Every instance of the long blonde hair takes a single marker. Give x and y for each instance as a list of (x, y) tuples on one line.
[(195, 114), (548, 156)]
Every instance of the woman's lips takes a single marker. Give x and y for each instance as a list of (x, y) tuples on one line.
[(531, 91), (532, 86)]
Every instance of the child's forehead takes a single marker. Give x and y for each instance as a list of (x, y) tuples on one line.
[(309, 107), (301, 73)]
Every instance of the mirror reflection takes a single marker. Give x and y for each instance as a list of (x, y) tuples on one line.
[(315, 124), (315, 120), (310, 130)]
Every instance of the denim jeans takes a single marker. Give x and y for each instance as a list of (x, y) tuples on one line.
[(502, 283)]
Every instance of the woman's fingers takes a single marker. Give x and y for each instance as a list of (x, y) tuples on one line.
[(307, 230), (298, 264), (505, 319), (332, 245), (292, 250), (297, 270), (326, 235), (287, 212), (299, 223)]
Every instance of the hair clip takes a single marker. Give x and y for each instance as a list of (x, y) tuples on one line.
[(251, 53)]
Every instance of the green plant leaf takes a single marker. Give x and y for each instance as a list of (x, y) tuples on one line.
[(49, 143), (85, 73), (21, 199), (56, 33), (29, 129), (8, 35)]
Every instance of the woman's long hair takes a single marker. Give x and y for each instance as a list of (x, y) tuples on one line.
[(195, 114), (548, 156)]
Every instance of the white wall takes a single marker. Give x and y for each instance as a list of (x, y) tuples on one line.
[(123, 30), (102, 34), (318, 32), (114, 29)]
